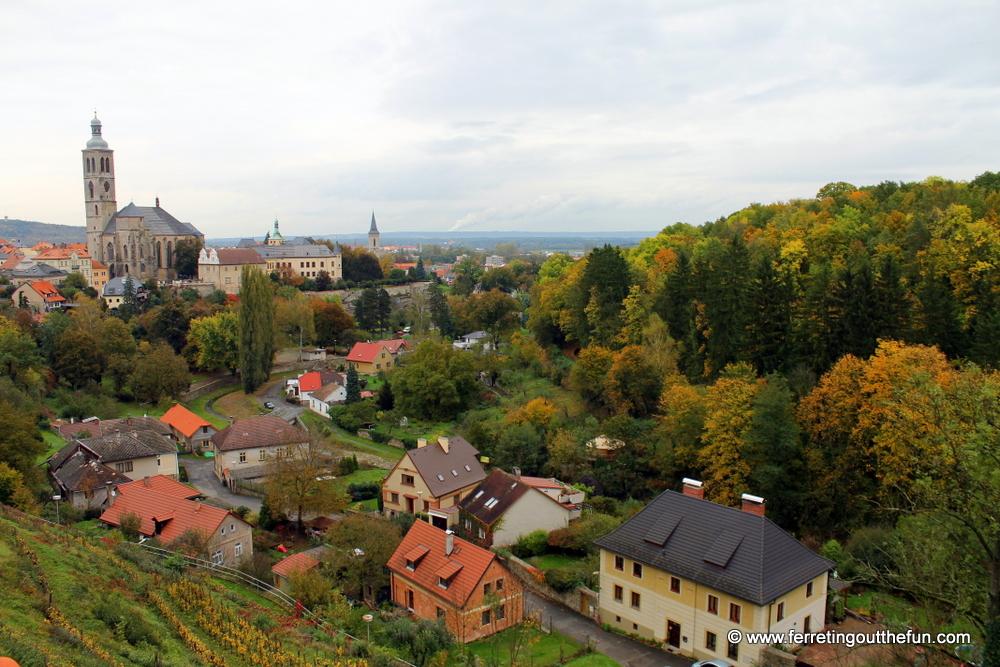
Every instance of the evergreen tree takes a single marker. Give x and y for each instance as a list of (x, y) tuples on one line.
[(858, 305), (256, 328), (890, 303), (353, 386), (726, 306), (383, 310), (386, 401), (440, 312), (938, 317), (420, 271), (771, 298), (366, 310), (817, 334), (129, 306), (22, 300), (984, 327)]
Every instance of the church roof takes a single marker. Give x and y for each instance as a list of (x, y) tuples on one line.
[(158, 221), (374, 229), (269, 251)]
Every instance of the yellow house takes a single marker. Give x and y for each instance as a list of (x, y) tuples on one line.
[(370, 358), (686, 572), (432, 479)]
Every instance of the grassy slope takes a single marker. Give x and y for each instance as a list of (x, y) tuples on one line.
[(80, 573), (543, 649)]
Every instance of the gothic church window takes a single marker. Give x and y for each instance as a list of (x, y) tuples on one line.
[(91, 186)]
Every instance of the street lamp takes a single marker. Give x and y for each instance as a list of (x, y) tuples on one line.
[(368, 618), (57, 499)]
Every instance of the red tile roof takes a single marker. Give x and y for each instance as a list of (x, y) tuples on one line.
[(258, 432), (542, 483), (179, 514), (94, 264), (166, 486), (365, 352), (61, 253), (299, 562), (467, 563), (310, 381), (183, 420), (47, 291), (239, 256), (395, 344)]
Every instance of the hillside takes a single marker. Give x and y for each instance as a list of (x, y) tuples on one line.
[(27, 233), (82, 602)]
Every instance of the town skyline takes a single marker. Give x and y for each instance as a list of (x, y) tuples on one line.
[(510, 118)]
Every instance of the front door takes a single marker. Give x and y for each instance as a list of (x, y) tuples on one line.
[(409, 505), (673, 634)]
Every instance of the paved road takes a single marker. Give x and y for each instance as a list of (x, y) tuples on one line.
[(200, 473), (622, 650)]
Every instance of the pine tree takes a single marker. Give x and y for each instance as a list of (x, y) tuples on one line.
[(421, 272), (256, 328), (353, 386), (366, 310), (383, 310), (129, 307), (440, 312), (386, 401), (771, 298), (890, 301)]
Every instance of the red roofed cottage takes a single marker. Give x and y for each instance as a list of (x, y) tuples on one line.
[(370, 358)]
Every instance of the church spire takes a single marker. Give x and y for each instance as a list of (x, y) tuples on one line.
[(374, 229)]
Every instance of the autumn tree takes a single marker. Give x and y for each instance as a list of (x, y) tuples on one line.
[(256, 318), (118, 348), (20, 442), (440, 312), (727, 421), (330, 321), (360, 547), (493, 312), (590, 371), (158, 373), (298, 480), (216, 341), (435, 382), (77, 358), (633, 385), (186, 257)]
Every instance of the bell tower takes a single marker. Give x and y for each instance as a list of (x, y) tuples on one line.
[(374, 244), (98, 189)]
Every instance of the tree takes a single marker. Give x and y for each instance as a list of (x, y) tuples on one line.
[(171, 323), (159, 372), (353, 385), (20, 442), (420, 273), (186, 253), (386, 400), (440, 312), (256, 318), (360, 266), (520, 446), (293, 317), (77, 358), (589, 372), (420, 639), (300, 481), (493, 312), (383, 311), (118, 348), (18, 352), (727, 421), (10, 482), (323, 281), (633, 385), (129, 306), (330, 321), (75, 280), (360, 547), (435, 382), (130, 523), (366, 310), (216, 340)]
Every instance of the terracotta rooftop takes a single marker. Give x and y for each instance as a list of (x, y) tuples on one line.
[(365, 352), (175, 515), (300, 562), (466, 565), (263, 431), (395, 345), (47, 291), (183, 420), (166, 486)]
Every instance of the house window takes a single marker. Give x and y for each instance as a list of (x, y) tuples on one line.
[(482, 534), (713, 604), (440, 612), (158, 464), (619, 593), (217, 558), (635, 600), (395, 498), (443, 583), (468, 524), (261, 455), (734, 651), (499, 585), (232, 527), (501, 613), (486, 617), (675, 585), (807, 624), (239, 549), (710, 640), (486, 589), (734, 612), (409, 599), (407, 480), (124, 466), (619, 563), (637, 570), (781, 611), (204, 429), (243, 457), (809, 589), (223, 530)]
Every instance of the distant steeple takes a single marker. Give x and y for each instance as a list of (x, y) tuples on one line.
[(374, 229), (373, 236), (275, 237)]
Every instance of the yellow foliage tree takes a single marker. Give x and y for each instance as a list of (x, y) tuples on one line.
[(727, 421)]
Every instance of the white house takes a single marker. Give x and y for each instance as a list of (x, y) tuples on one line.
[(330, 394)]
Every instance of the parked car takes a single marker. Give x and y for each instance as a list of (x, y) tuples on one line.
[(269, 405), (714, 662)]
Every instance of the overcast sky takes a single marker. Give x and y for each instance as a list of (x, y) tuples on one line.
[(534, 116)]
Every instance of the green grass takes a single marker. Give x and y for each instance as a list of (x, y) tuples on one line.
[(197, 406), (53, 444), (550, 561), (544, 649), (592, 660), (900, 611), (388, 451)]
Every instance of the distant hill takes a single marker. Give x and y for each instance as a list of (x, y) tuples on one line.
[(28, 233)]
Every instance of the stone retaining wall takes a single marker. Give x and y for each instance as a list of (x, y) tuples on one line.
[(581, 599)]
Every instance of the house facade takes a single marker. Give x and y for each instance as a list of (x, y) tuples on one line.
[(433, 479), (370, 358), (686, 571), (322, 399), (502, 508), (223, 267), (248, 443), (134, 454), (434, 574), (188, 428), (40, 296)]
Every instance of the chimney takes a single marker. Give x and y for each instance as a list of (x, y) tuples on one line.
[(197, 505), (753, 504), (145, 480), (694, 488), (421, 442), (449, 542), (516, 471), (444, 442)]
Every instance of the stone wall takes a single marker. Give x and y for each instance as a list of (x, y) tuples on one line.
[(581, 599), (772, 657)]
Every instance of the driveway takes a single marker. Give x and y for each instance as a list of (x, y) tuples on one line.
[(621, 649), (200, 472), (275, 392)]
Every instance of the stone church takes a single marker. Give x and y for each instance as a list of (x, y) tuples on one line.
[(137, 240)]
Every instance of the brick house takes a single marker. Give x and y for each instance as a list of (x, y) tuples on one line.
[(437, 575), (686, 571), (433, 478)]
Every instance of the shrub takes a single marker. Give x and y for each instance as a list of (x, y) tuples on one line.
[(409, 443), (563, 579), (364, 490), (381, 438), (533, 544), (126, 621), (347, 465)]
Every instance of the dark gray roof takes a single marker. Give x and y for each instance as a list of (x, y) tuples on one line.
[(123, 446), (41, 270), (494, 496), (246, 243), (158, 221), (268, 251), (373, 229), (135, 423), (733, 551), (116, 286), (435, 466), (81, 472)]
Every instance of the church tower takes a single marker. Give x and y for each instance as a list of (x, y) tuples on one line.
[(98, 188), (373, 237)]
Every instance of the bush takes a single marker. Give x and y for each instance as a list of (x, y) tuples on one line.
[(347, 465), (126, 621), (533, 544), (381, 438), (364, 490), (564, 579), (409, 443)]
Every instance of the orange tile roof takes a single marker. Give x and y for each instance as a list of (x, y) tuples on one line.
[(47, 291), (257, 432), (364, 352), (97, 265), (310, 381), (467, 563), (61, 253), (11, 263), (166, 486), (395, 344), (180, 515), (183, 420), (299, 562)]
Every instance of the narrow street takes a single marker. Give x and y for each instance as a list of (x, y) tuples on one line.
[(200, 474)]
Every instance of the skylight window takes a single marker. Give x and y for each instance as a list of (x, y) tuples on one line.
[(491, 503), (468, 468), (454, 473), (478, 493), (440, 478)]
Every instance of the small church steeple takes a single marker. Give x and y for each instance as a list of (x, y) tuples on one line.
[(274, 237), (373, 236)]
